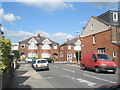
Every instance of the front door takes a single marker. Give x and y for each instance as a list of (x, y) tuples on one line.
[(69, 57)]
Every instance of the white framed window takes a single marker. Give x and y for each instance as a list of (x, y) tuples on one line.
[(91, 28), (115, 16), (55, 47), (101, 50), (32, 46), (114, 54), (46, 47), (22, 45), (61, 54), (45, 55), (94, 39), (69, 46), (32, 54)]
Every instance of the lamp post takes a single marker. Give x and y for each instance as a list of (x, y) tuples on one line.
[(78, 48)]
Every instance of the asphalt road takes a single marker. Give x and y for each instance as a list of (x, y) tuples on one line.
[(66, 75)]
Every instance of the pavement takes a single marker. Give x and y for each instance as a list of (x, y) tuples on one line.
[(27, 77)]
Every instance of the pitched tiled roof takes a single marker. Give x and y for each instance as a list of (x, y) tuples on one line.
[(39, 40), (101, 20), (71, 42), (107, 22)]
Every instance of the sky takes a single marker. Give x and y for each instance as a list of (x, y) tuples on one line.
[(57, 21)]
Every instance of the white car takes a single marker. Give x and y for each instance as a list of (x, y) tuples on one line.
[(28, 59), (41, 64)]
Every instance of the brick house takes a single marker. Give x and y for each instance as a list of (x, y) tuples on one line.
[(102, 34), (38, 46), (68, 49), (14, 46)]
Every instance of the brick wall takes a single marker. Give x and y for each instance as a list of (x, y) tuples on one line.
[(39, 51), (66, 51), (103, 40), (24, 50)]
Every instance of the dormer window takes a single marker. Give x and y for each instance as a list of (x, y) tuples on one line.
[(115, 17)]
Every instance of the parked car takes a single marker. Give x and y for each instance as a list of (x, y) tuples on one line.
[(41, 64), (28, 59), (49, 60), (98, 61), (109, 87), (33, 62)]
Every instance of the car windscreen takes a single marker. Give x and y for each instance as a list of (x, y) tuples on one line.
[(103, 57), (42, 61)]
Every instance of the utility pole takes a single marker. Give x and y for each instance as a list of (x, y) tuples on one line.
[(78, 48)]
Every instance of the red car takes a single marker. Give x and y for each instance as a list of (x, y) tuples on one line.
[(98, 62), (109, 87)]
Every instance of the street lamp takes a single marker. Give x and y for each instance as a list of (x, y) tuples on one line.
[(78, 48)]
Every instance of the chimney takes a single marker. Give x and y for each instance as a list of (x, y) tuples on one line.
[(38, 36)]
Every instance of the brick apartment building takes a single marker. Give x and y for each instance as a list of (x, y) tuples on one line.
[(39, 46), (102, 34), (68, 49)]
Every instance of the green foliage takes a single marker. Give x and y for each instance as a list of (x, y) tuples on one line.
[(37, 57), (5, 53), (16, 54), (76, 53), (53, 58)]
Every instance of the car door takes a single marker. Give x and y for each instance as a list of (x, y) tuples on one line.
[(92, 61)]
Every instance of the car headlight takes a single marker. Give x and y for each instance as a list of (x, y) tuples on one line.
[(103, 64)]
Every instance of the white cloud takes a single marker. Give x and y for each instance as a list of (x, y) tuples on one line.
[(59, 37), (62, 36), (18, 34), (48, 6), (103, 4), (11, 18)]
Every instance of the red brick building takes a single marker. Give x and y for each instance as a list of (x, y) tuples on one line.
[(39, 46), (68, 49), (102, 34)]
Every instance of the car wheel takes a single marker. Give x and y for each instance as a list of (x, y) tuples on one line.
[(36, 70), (113, 72), (47, 68), (83, 67), (97, 70)]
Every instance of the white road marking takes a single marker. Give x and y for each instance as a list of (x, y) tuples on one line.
[(69, 70), (89, 83), (99, 78), (81, 80), (65, 76), (72, 78)]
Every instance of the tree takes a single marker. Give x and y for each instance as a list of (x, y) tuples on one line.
[(16, 54)]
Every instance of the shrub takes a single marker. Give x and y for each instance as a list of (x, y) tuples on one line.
[(5, 53)]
